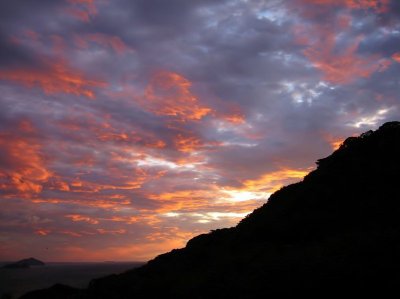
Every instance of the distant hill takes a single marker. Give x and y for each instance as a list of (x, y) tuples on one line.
[(26, 263), (335, 233)]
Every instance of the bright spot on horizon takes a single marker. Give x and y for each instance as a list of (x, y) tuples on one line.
[(239, 195), (373, 119)]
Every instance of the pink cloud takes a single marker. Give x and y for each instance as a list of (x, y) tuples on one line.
[(169, 94), (57, 78)]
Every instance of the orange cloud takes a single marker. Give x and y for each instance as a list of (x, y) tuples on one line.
[(106, 203), (71, 233), (104, 40), (396, 57), (111, 232), (80, 218), (234, 118), (180, 195), (212, 204), (25, 172), (168, 234), (130, 138), (341, 67), (334, 142), (126, 220), (128, 184), (272, 181), (131, 142), (229, 112), (57, 184), (380, 6), (58, 78), (187, 200), (42, 232), (156, 144), (169, 94), (187, 144)]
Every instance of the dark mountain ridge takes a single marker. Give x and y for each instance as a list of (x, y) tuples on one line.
[(25, 263), (337, 232)]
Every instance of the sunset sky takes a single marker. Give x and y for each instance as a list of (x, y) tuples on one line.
[(129, 126)]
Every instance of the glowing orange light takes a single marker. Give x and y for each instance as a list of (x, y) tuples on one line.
[(272, 181), (380, 6), (334, 142), (187, 144), (27, 172), (111, 232), (79, 218), (396, 57), (157, 144), (235, 118), (169, 94), (57, 79), (42, 232)]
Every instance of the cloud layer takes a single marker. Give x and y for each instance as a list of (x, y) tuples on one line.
[(127, 127)]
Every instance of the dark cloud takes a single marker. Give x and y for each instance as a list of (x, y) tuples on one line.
[(159, 13), (26, 8), (12, 55)]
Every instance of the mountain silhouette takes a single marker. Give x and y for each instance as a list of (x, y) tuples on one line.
[(25, 263), (335, 233)]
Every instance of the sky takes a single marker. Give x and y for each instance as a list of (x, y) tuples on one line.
[(128, 127)]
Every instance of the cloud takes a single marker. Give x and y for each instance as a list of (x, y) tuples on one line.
[(272, 181), (335, 54), (114, 42), (77, 217), (83, 10), (344, 67), (57, 78), (169, 94), (396, 57), (379, 6), (24, 170), (12, 55)]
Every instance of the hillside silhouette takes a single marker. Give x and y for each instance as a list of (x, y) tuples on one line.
[(335, 233), (25, 263)]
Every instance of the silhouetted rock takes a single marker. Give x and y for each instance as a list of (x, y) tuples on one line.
[(26, 263), (335, 233), (58, 291)]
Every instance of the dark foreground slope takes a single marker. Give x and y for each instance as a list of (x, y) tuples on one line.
[(336, 232)]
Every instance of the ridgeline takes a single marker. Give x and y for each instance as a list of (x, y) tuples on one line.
[(25, 263)]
